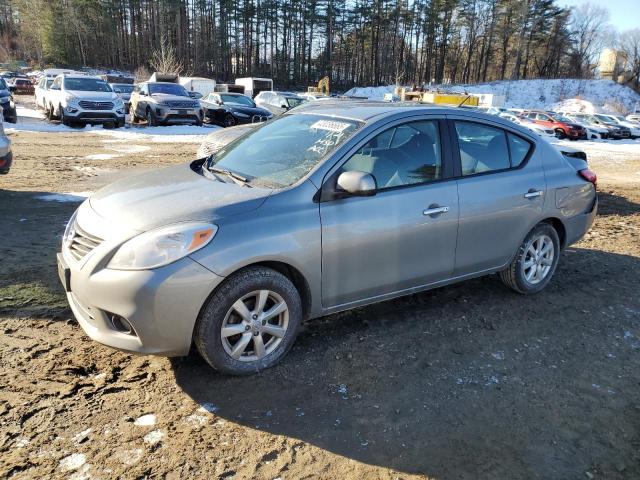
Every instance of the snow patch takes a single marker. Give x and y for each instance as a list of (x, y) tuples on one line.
[(72, 462), (130, 148), (154, 437), (102, 156), (145, 420), (64, 197)]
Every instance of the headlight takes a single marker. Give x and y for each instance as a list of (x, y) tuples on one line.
[(162, 246), (71, 99), (70, 230), (119, 103)]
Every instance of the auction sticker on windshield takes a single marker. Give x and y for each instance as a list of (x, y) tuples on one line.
[(330, 125)]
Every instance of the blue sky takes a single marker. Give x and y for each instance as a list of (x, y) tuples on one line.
[(625, 14)]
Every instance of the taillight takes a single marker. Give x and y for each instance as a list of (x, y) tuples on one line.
[(589, 176)]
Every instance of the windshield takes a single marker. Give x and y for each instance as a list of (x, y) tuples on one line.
[(123, 87), (604, 119), (281, 152), (237, 99), (294, 102), (168, 88), (86, 85)]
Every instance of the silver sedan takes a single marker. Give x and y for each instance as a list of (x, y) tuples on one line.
[(330, 207)]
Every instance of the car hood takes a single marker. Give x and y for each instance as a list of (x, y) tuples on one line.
[(94, 96), (161, 97), (172, 195), (247, 110)]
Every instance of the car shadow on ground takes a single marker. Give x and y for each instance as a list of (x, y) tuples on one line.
[(465, 381), (612, 204)]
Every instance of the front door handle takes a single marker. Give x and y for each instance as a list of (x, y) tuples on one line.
[(434, 210), (533, 193)]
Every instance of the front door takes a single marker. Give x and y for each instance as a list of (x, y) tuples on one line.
[(400, 238)]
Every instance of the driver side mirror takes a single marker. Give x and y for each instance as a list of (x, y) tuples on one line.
[(359, 184), (195, 95), (117, 90), (143, 93)]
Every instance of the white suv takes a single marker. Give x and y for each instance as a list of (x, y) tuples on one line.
[(81, 99)]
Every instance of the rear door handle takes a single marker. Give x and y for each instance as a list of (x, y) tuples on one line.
[(434, 210), (533, 193)]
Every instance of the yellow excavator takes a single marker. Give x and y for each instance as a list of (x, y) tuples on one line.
[(322, 88)]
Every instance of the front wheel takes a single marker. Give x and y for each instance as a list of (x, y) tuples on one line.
[(229, 120), (151, 118), (560, 134), (250, 322), (535, 263)]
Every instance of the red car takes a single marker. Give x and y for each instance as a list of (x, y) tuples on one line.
[(23, 86), (563, 129)]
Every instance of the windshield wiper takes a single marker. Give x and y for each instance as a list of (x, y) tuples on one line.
[(237, 178)]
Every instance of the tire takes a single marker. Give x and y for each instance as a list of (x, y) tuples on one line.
[(560, 134), (151, 118), (63, 118), (229, 120), (515, 276), (219, 311)]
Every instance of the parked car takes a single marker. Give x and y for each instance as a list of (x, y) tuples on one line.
[(618, 131), (6, 155), (633, 117), (124, 91), (229, 109), (634, 129), (41, 90), (81, 100), (278, 102), (9, 112), (367, 202), (164, 103), (219, 138), (23, 86), (563, 129), (594, 130)]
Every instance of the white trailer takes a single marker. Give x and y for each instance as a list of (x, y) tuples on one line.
[(54, 72), (253, 86), (202, 85), (489, 99)]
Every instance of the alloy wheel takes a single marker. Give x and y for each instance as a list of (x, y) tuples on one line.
[(538, 259), (255, 326)]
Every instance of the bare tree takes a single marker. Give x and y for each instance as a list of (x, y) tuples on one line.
[(165, 60), (630, 45), (589, 25)]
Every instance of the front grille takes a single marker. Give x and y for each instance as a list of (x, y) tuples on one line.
[(87, 105), (180, 104), (82, 242)]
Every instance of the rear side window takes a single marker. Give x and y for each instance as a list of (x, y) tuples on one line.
[(519, 149), (482, 148)]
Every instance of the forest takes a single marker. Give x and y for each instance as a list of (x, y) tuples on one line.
[(296, 42)]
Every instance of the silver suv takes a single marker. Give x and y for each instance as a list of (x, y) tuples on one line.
[(164, 103), (367, 202)]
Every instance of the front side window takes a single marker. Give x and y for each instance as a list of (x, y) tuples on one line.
[(86, 85), (294, 102), (281, 152), (403, 155)]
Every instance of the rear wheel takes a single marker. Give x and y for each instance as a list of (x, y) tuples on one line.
[(536, 261), (250, 322)]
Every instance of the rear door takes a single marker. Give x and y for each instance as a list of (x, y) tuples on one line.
[(405, 235), (502, 190)]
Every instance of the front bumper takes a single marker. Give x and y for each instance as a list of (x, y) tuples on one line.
[(179, 115), (80, 115), (162, 305)]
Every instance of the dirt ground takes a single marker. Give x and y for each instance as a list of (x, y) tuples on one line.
[(464, 382)]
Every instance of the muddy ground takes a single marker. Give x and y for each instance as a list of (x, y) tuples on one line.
[(465, 382)]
